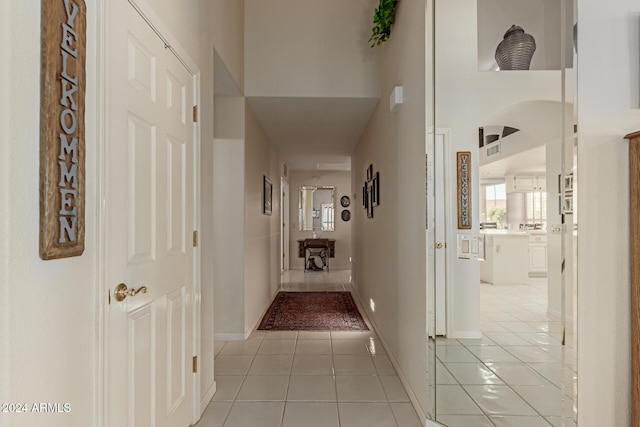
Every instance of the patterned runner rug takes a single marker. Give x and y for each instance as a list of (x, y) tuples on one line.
[(313, 311)]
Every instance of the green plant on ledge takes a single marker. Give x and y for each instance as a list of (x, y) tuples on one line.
[(382, 18)]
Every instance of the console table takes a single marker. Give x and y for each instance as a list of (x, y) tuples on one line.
[(317, 247)]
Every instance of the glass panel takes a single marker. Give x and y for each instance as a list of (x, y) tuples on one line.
[(430, 214), (507, 348)]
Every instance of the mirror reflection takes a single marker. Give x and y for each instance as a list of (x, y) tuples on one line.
[(502, 328), (316, 208)]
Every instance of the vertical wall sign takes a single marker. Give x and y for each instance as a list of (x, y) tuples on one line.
[(62, 130), (464, 190)]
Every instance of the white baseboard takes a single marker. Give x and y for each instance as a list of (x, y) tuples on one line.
[(536, 281), (403, 379), (472, 335), (245, 336), (554, 312), (207, 398), (230, 337), (432, 424)]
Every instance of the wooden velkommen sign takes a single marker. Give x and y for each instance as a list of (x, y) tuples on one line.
[(464, 190), (62, 128)]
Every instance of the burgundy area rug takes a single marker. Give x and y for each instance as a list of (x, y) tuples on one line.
[(313, 311)]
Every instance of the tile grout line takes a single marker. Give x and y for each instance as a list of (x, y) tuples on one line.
[(505, 382), (521, 362), (286, 393), (335, 379), (463, 389)]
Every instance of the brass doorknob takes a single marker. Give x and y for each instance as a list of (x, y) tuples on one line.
[(122, 292), (438, 245)]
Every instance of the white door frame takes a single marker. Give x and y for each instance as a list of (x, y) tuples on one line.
[(147, 13), (284, 219)]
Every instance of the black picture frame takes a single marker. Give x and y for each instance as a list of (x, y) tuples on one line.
[(370, 201), (370, 173), (345, 201), (364, 196), (345, 215), (267, 195), (375, 190)]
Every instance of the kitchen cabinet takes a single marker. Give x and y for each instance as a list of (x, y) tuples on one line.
[(537, 255), (506, 260), (525, 183), (513, 257)]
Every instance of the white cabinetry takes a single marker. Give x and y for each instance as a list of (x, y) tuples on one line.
[(513, 257), (537, 255), (525, 183), (506, 260)]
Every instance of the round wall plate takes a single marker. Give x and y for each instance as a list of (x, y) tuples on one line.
[(345, 215), (345, 201)]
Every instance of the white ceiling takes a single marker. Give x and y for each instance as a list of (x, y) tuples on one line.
[(539, 123), (309, 131), (524, 162)]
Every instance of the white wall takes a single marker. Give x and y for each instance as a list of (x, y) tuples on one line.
[(388, 251), (464, 98), (608, 108), (342, 233), (5, 133), (262, 232), (227, 25), (228, 220), (247, 244), (308, 48), (49, 308), (229, 117)]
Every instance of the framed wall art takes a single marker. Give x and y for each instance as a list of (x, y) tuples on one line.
[(375, 189), (267, 195), (464, 189)]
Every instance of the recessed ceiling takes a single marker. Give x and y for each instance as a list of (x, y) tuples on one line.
[(308, 131)]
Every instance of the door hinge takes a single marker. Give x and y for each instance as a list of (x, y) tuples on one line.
[(195, 238), (109, 297), (195, 114), (195, 364)]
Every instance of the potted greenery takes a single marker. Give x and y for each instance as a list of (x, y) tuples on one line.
[(382, 19)]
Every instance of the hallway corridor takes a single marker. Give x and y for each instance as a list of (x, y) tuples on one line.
[(308, 379)]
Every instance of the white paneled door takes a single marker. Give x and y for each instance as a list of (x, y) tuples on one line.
[(437, 205), (149, 196)]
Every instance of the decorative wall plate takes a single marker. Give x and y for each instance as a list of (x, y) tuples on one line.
[(345, 201), (345, 215)]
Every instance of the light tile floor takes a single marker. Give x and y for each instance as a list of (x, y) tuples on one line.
[(308, 379), (518, 374)]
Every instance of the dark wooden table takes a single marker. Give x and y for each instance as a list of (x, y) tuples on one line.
[(316, 247)]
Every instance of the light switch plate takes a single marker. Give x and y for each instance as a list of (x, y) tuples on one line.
[(470, 246)]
